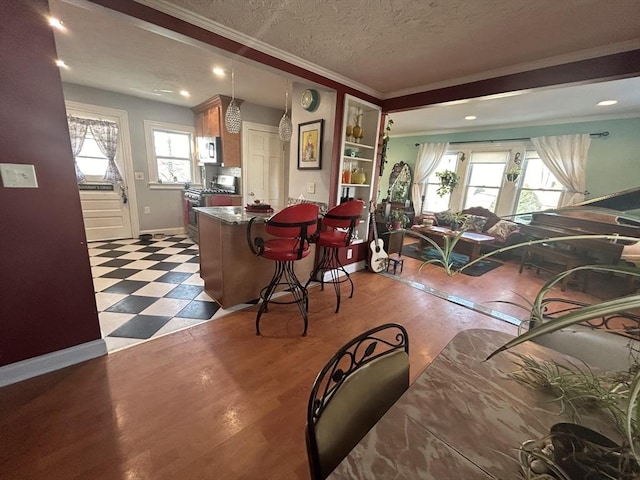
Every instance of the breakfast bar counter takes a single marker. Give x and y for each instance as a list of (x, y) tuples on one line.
[(232, 274)]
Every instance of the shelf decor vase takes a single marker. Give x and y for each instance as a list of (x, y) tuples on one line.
[(358, 176), (357, 131)]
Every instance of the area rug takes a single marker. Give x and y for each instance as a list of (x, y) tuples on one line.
[(459, 260)]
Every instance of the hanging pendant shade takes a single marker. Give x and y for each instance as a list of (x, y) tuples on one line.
[(232, 117), (285, 129)]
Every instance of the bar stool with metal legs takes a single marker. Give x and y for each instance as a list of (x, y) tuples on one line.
[(338, 226), (292, 228)]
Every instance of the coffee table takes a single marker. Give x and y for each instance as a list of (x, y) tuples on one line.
[(469, 243)]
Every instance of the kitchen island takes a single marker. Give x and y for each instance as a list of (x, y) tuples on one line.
[(231, 273)]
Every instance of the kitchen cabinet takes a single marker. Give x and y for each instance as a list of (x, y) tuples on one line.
[(359, 149), (210, 123)]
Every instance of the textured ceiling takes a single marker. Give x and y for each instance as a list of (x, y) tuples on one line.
[(370, 44), (398, 45)]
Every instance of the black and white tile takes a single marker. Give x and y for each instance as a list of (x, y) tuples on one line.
[(145, 289)]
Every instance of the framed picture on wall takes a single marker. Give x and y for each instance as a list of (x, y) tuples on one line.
[(310, 145)]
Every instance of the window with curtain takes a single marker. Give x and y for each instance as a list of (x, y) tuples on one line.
[(539, 189), (432, 201), (170, 154), (92, 162), (483, 182), (485, 178)]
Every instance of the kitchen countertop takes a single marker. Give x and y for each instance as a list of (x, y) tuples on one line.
[(232, 215)]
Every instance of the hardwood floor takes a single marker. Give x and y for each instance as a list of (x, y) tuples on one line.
[(216, 401)]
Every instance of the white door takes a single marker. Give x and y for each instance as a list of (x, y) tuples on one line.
[(106, 216), (108, 210), (264, 166)]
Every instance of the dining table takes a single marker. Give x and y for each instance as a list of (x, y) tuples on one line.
[(464, 417)]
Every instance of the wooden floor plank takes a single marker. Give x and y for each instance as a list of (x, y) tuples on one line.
[(216, 401)]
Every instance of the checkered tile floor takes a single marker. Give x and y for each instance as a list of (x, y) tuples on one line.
[(145, 289)]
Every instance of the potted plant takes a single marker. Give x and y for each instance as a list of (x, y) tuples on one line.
[(576, 452), (398, 219), (448, 181), (513, 173), (588, 454), (385, 145)]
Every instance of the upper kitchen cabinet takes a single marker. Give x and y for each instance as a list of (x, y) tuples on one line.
[(210, 123), (360, 130)]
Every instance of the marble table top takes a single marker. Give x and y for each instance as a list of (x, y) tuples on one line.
[(461, 418), (233, 215)]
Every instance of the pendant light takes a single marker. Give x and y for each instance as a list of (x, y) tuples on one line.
[(232, 118), (285, 129)]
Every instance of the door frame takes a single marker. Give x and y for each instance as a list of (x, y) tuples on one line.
[(78, 108), (246, 126)]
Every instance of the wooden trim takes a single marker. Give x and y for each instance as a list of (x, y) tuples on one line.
[(618, 65), (33, 367)]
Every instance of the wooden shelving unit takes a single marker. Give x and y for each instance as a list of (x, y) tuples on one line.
[(358, 159)]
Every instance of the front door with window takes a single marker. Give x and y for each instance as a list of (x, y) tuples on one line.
[(105, 207), (106, 216)]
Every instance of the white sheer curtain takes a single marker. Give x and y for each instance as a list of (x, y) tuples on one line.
[(429, 155), (566, 156)]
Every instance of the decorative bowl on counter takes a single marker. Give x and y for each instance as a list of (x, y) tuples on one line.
[(259, 208)]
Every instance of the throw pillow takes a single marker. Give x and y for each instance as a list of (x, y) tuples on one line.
[(501, 230), (474, 223), (445, 218)]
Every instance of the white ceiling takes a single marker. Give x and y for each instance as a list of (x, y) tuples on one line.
[(382, 47)]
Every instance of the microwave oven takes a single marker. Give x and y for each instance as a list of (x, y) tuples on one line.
[(210, 150)]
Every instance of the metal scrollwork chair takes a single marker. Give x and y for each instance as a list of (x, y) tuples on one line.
[(292, 228), (352, 392), (338, 225)]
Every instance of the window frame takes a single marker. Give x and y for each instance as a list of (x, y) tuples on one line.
[(152, 159), (508, 192), (94, 179), (519, 182)]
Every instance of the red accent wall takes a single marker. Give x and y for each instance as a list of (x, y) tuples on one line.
[(46, 292)]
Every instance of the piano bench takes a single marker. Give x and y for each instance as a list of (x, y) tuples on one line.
[(555, 260)]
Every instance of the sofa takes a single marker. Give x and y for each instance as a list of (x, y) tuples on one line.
[(481, 220)]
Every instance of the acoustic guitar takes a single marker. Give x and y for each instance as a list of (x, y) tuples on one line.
[(378, 258)]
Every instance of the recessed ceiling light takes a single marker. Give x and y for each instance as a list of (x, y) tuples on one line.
[(606, 103), (184, 93), (218, 71), (61, 64), (470, 117), (55, 23)]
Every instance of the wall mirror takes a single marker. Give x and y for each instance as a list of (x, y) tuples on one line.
[(399, 182)]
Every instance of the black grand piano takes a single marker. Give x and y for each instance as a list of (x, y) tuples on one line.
[(616, 214)]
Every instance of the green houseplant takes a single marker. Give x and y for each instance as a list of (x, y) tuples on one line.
[(513, 173), (448, 181), (598, 460), (580, 452), (398, 219)]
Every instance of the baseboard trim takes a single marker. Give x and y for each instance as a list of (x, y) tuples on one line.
[(352, 267), (32, 367), (166, 231)]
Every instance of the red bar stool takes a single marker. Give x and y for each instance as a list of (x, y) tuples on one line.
[(338, 226), (292, 227)]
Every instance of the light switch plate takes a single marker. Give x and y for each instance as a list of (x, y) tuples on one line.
[(139, 175), (311, 187), (18, 175)]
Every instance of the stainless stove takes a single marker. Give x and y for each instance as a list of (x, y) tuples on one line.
[(198, 197)]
